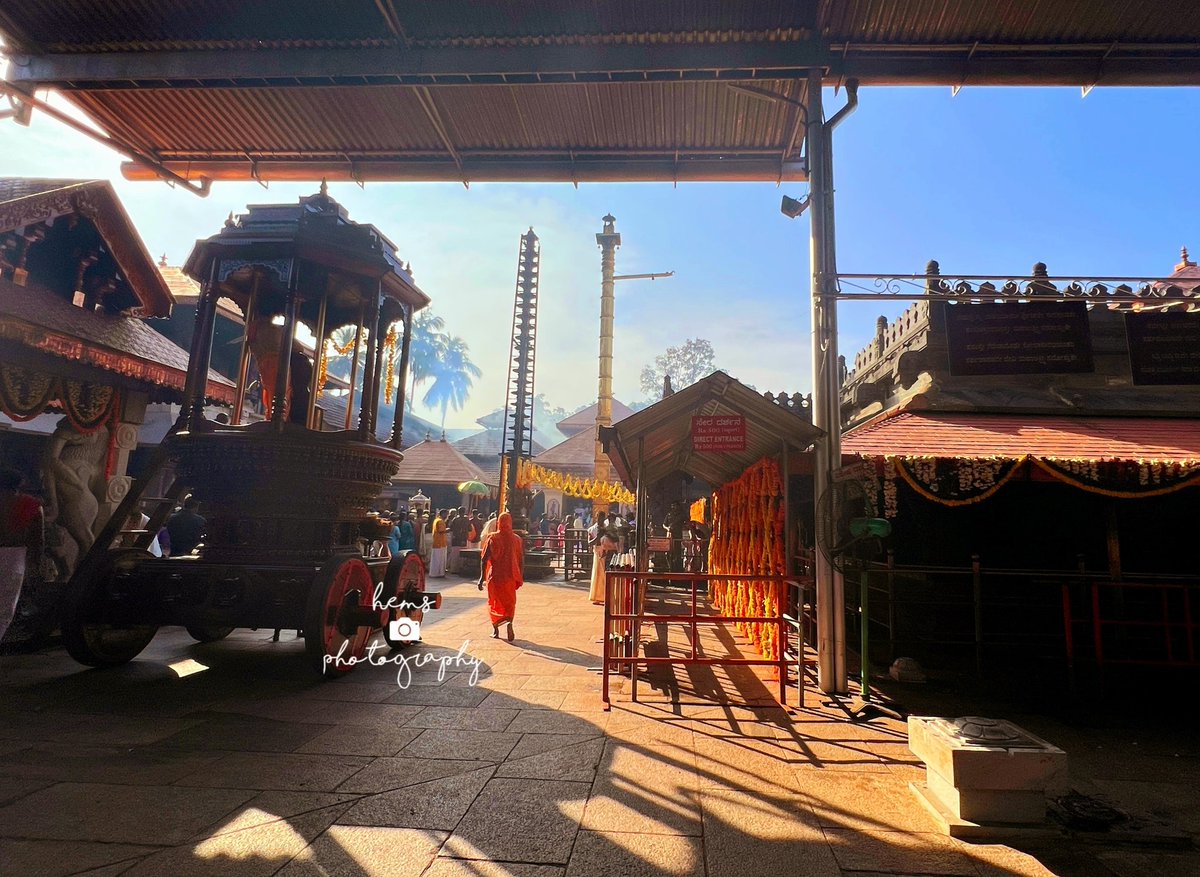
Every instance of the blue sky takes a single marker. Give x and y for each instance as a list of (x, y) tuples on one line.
[(988, 181)]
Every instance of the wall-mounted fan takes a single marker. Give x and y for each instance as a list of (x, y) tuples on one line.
[(850, 537)]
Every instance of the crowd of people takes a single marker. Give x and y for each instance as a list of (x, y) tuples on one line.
[(439, 537)]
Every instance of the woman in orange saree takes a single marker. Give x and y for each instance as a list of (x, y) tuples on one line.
[(501, 567)]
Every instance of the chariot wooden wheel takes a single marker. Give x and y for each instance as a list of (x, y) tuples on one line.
[(87, 638), (407, 588), (208, 633), (339, 619)]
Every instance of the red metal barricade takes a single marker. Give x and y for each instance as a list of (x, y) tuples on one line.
[(1152, 623), (624, 613)]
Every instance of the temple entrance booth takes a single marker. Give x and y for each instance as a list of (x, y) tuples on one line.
[(752, 449)]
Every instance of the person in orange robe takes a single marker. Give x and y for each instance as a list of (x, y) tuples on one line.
[(501, 566)]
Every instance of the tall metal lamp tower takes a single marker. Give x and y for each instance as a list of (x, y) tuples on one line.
[(518, 406)]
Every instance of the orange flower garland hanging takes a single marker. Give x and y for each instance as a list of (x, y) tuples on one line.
[(748, 539)]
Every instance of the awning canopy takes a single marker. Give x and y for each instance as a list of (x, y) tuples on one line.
[(541, 91), (659, 438), (1012, 436)]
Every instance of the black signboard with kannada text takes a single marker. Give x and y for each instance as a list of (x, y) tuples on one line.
[(1164, 348), (1018, 338)]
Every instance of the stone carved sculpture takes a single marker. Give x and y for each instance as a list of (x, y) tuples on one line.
[(73, 471)]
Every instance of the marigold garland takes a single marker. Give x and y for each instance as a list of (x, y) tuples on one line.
[(330, 348), (389, 345), (26, 393), (955, 481), (970, 480), (529, 473), (748, 539)]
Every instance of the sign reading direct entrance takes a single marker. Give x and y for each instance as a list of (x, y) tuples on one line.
[(1018, 338), (718, 434)]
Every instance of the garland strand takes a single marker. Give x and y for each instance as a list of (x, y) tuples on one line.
[(930, 479), (389, 345), (748, 539), (529, 473), (330, 349)]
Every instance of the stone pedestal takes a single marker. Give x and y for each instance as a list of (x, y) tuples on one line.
[(985, 777)]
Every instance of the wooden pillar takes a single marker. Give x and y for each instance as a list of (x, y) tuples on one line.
[(354, 366), (318, 356), (200, 353), (244, 359), (401, 376), (370, 381), (284, 373)]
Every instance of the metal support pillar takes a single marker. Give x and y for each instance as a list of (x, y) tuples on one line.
[(831, 619)]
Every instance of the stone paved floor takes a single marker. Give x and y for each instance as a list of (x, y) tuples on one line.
[(227, 759)]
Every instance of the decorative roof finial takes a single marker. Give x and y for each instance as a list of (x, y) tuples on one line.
[(1184, 261), (229, 221), (162, 263), (610, 221), (428, 436), (443, 435), (324, 188)]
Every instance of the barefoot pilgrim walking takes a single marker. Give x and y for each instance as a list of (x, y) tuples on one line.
[(500, 567)]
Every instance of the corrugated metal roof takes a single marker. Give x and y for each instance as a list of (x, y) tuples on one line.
[(564, 122), (1007, 21), (1015, 435), (539, 90), (115, 25)]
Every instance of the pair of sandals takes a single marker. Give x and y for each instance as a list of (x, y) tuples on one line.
[(496, 631)]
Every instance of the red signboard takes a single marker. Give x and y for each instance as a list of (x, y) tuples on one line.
[(718, 434)]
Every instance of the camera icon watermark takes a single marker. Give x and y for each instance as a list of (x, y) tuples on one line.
[(404, 630)]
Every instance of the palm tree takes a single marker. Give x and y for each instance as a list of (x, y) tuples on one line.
[(426, 349), (453, 376)]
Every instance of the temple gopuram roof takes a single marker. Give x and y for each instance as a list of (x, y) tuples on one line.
[(911, 363), (576, 456), (76, 282), (586, 419), (115, 252), (436, 461)]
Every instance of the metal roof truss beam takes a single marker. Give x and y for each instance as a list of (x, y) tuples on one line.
[(500, 65)]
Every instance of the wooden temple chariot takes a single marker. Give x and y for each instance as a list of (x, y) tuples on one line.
[(286, 503)]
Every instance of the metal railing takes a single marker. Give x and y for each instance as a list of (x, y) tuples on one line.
[(624, 614), (1068, 617)]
